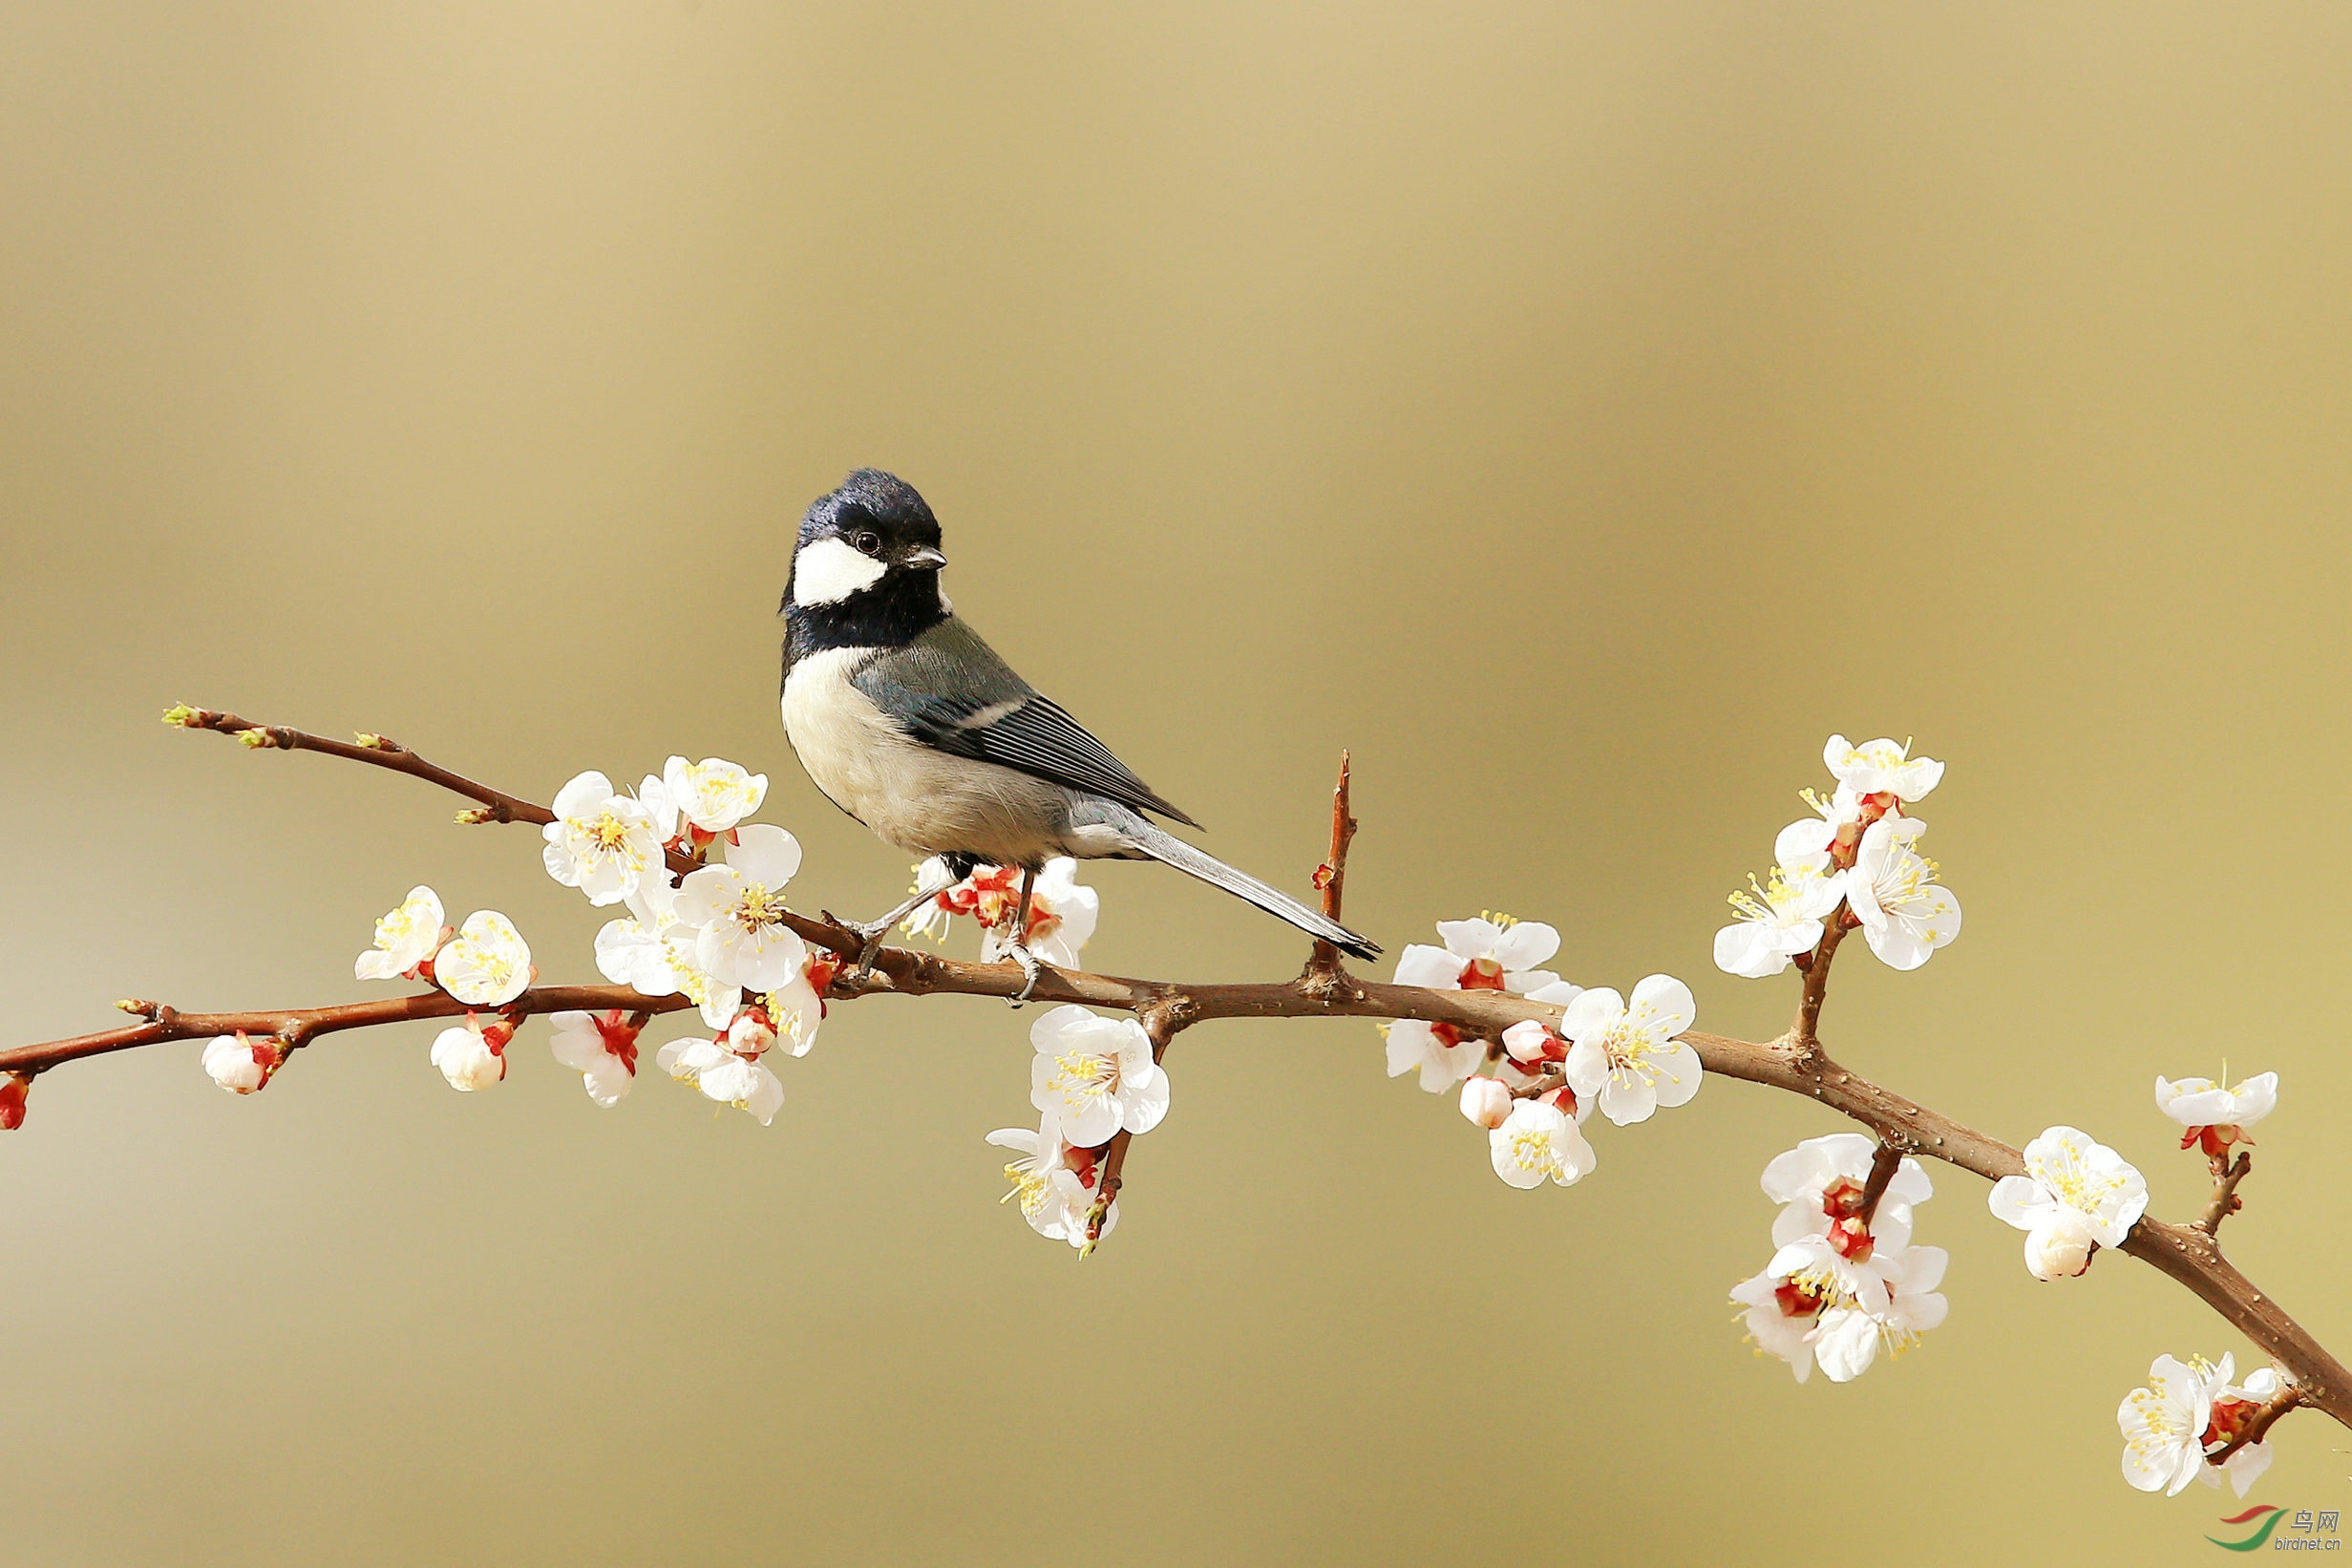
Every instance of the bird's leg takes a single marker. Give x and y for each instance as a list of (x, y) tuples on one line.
[(1017, 943), (871, 933)]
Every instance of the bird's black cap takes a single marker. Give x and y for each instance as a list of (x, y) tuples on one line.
[(869, 497)]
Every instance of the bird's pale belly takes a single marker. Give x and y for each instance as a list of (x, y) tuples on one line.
[(924, 801)]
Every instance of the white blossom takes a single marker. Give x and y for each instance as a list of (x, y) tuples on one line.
[(1095, 1075), (1475, 959), (405, 938), (2233, 1408), (723, 1076), (2216, 1115), (1538, 1142), (1881, 767), (1906, 914), (1053, 1182), (1778, 920), (601, 842), (1625, 1054), (2163, 1424), (472, 1056), (713, 795), (1062, 917), (601, 1048), (241, 1065), (1849, 1338), (2075, 1192), (944, 901), (1780, 1318), (487, 963), (652, 952), (738, 908)]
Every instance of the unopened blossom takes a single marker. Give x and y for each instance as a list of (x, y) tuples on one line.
[(2216, 1116), (405, 938), (739, 910), (241, 1064), (2075, 1193), (712, 795), (601, 1048), (1779, 919), (723, 1076), (1532, 1045), (487, 963), (2233, 1408), (1062, 917), (652, 952), (1095, 1075), (1849, 1338), (1905, 913), (2163, 1424), (1819, 1185), (601, 842), (1485, 1102), (1054, 1184), (13, 1088), (1881, 767), (473, 1055), (1625, 1053), (1537, 1143)]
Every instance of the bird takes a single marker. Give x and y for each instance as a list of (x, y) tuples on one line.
[(904, 718)]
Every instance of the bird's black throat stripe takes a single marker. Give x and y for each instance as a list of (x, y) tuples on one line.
[(892, 613)]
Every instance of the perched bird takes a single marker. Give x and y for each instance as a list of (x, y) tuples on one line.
[(912, 725)]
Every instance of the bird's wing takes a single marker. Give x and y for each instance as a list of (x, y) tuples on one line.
[(950, 691)]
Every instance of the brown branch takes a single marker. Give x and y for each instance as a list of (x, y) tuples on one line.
[(297, 1027), (2225, 1201), (1796, 1063), (1332, 875), (1805, 1033)]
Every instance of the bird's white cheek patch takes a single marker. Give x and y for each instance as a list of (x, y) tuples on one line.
[(827, 571)]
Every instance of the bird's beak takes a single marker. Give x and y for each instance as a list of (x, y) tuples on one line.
[(924, 557)]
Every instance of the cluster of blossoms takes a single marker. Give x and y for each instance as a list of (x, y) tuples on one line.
[(1062, 912), (1622, 1057), (1846, 1280), (717, 937), (1856, 861), (1091, 1079)]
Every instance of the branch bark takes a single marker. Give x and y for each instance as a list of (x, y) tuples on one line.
[(1796, 1064)]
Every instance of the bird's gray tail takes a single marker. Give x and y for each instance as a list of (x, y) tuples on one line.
[(1169, 850)]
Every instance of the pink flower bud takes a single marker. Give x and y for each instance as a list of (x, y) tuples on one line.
[(12, 1090), (751, 1033), (1485, 1102)]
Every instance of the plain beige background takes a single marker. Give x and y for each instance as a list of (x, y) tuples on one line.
[(1579, 411)]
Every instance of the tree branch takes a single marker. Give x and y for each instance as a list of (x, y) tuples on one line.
[(2187, 1254)]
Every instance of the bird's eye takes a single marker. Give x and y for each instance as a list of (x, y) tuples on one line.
[(865, 541)]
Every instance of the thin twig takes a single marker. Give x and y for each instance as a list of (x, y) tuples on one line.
[(1805, 1035), (1884, 1161), (1332, 875), (2225, 1201), (2258, 1425)]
